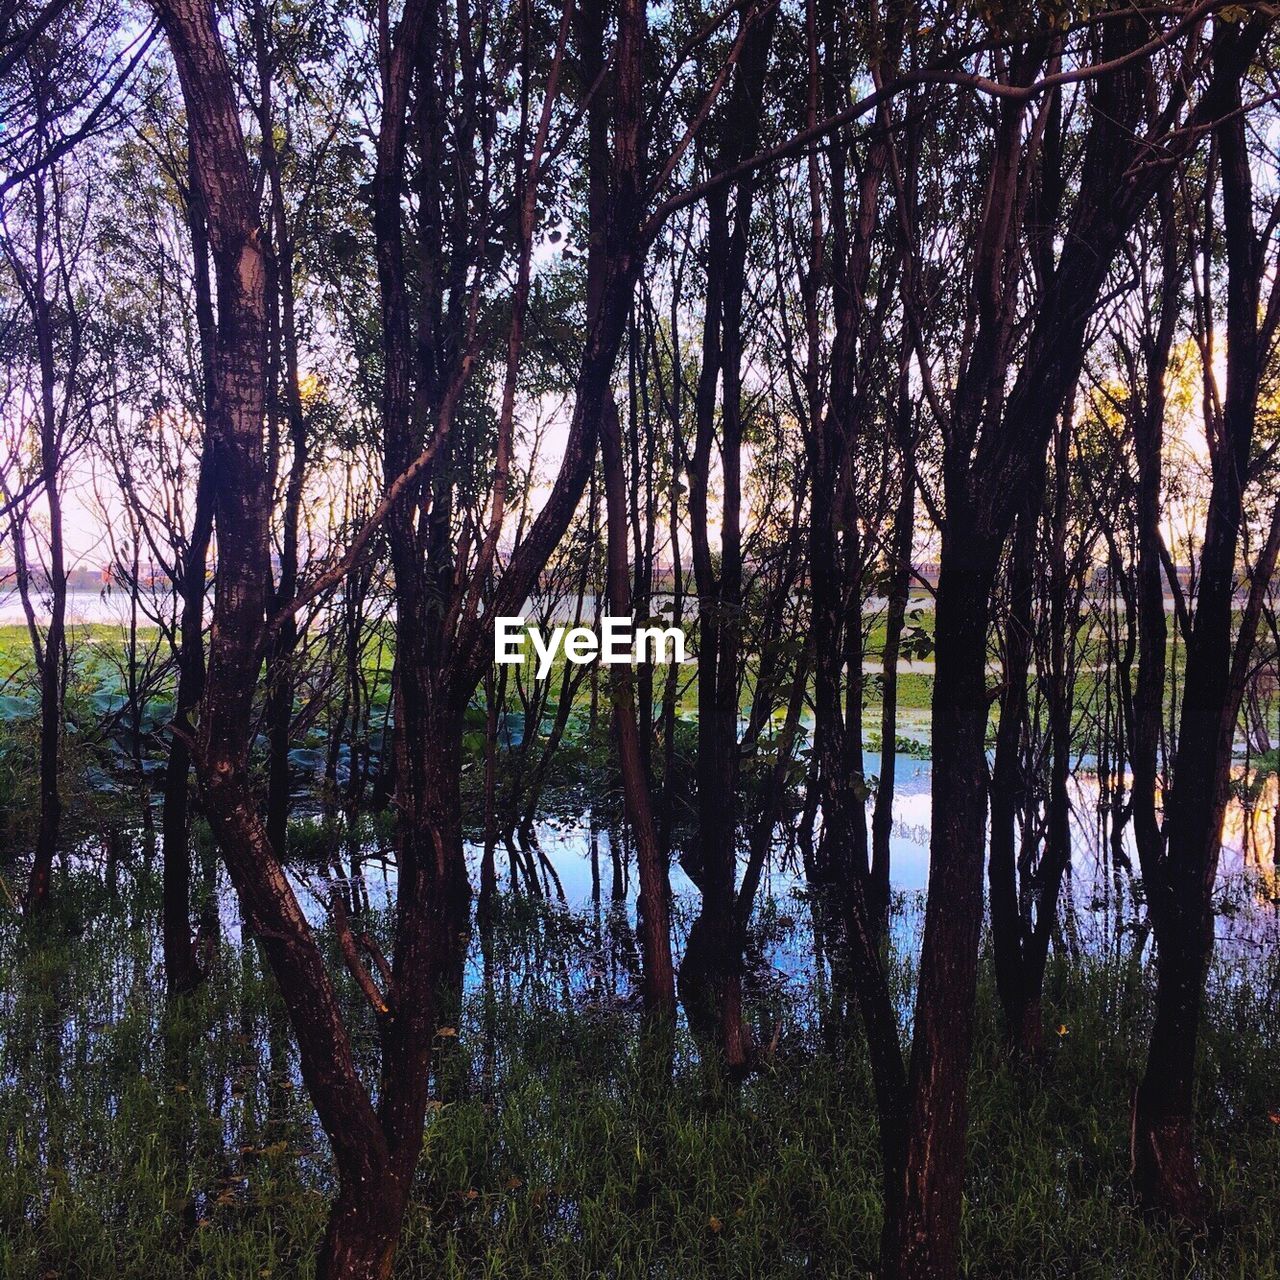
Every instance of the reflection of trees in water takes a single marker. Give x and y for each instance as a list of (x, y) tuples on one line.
[(1249, 826), (1109, 888), (84, 1033)]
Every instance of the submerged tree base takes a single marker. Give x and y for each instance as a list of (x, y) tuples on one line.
[(141, 1144)]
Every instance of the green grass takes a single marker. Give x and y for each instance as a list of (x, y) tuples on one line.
[(140, 1143)]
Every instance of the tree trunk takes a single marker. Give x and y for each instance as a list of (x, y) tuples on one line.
[(712, 970), (653, 908), (360, 1237), (1164, 1142), (1008, 936), (182, 969), (895, 616), (1181, 883), (236, 648), (51, 696), (1055, 859), (286, 384), (923, 1243), (52, 660)]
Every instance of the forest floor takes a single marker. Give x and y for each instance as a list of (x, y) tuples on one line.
[(142, 1142)]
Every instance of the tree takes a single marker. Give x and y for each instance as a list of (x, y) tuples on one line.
[(1180, 858), (995, 426), (42, 253)]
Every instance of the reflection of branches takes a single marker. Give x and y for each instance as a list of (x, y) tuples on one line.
[(349, 945)]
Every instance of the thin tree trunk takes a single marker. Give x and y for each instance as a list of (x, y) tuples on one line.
[(287, 386), (1164, 1144), (52, 659), (1008, 789), (712, 970), (895, 616), (182, 969), (653, 907)]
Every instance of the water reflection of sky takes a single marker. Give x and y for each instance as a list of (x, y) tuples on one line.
[(571, 948), (582, 868), (578, 865)]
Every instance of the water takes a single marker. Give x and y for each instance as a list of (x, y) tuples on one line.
[(90, 1080), (84, 608), (583, 868)]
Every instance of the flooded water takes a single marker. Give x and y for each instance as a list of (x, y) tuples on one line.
[(93, 1078), (586, 871)]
